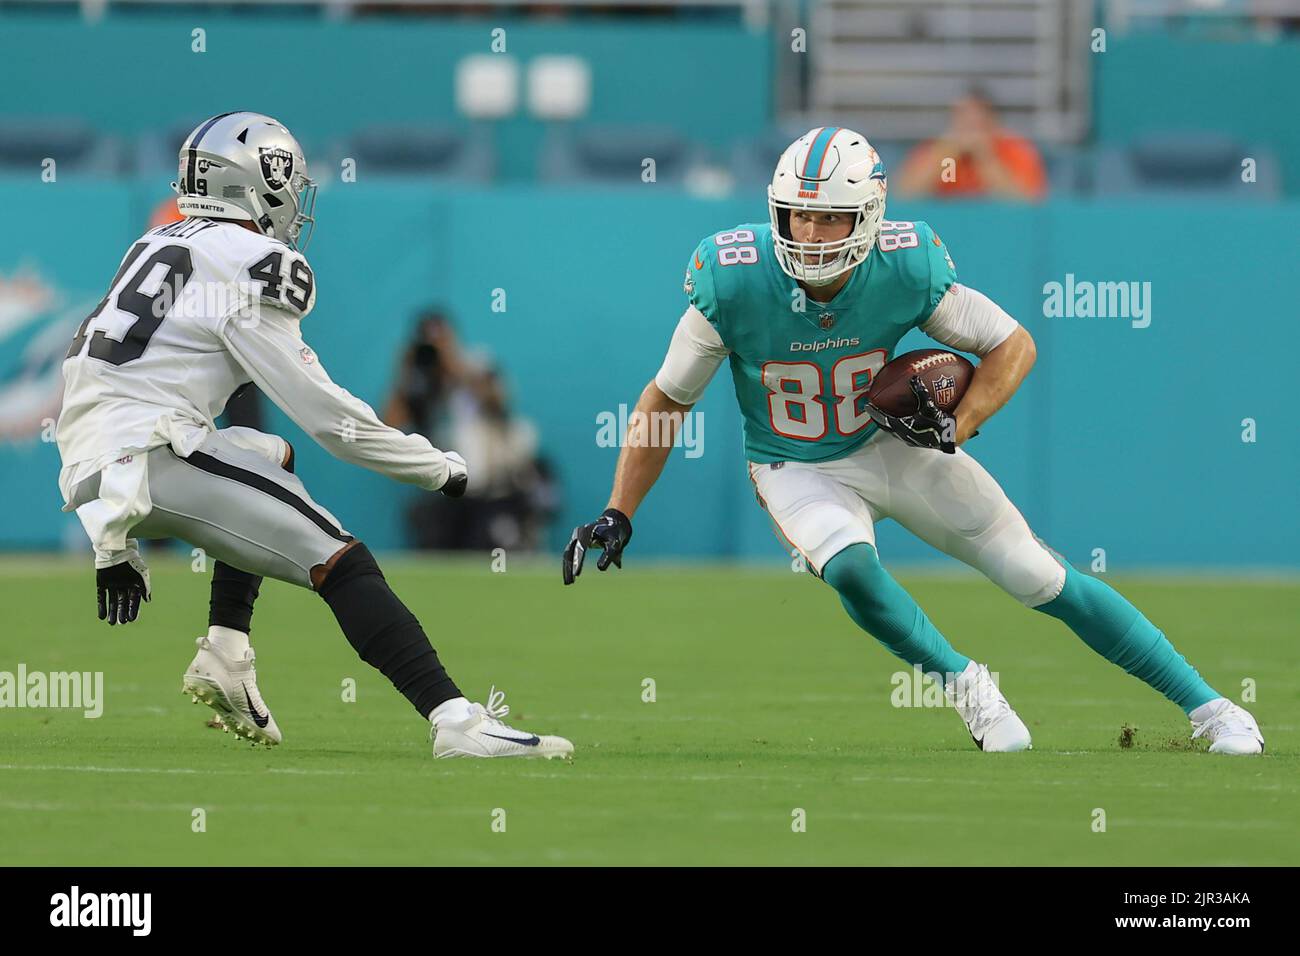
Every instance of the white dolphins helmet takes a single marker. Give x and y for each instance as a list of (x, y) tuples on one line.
[(827, 169), (247, 166)]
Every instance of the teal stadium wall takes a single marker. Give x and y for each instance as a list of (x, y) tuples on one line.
[(1122, 438)]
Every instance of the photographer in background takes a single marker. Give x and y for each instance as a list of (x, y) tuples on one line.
[(447, 395), (513, 496), (432, 366)]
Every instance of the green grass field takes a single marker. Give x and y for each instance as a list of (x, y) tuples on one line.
[(768, 700)]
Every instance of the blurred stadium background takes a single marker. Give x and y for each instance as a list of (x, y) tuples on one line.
[(493, 265)]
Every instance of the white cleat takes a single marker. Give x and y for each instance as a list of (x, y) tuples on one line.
[(1229, 729), (229, 687), (484, 735), (993, 725)]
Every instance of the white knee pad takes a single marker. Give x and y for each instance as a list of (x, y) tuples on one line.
[(1018, 562)]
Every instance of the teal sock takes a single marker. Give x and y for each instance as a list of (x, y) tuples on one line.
[(879, 605), (1118, 631)]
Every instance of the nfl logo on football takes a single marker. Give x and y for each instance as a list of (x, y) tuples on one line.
[(944, 386)]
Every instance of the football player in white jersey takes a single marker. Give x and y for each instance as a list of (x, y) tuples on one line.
[(196, 310)]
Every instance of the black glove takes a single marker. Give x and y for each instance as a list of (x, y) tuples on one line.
[(927, 427), (457, 476), (120, 589), (611, 532)]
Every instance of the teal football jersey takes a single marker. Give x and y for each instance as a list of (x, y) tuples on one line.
[(801, 367)]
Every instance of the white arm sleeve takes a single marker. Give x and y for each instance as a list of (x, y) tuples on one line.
[(969, 321), (694, 355), (272, 352)]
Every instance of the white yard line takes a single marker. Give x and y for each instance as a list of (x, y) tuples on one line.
[(177, 770)]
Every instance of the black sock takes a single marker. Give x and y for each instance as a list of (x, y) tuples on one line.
[(233, 594), (384, 633)]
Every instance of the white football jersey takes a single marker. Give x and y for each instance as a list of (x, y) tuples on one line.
[(152, 348), (197, 309)]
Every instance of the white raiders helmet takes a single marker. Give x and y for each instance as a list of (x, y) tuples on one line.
[(247, 166), (827, 169)]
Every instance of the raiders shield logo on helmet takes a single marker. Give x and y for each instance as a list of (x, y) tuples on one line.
[(277, 167)]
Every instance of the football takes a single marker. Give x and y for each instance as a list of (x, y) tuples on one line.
[(946, 374)]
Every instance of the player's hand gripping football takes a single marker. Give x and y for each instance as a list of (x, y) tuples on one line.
[(610, 532), (120, 589), (928, 427)]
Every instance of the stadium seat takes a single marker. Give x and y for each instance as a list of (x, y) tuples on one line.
[(426, 151), (1186, 162), (613, 155), (487, 86), (1065, 169), (418, 150), (76, 148), (559, 87), (156, 149)]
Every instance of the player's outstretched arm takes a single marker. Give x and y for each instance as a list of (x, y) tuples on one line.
[(694, 355), (648, 443), (272, 352), (652, 429)]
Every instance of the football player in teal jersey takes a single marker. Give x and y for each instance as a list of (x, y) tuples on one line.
[(807, 308)]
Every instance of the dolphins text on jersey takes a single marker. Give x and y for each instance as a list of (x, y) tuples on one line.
[(802, 368)]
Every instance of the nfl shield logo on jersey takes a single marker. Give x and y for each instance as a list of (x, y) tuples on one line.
[(944, 386), (277, 166), (826, 321)]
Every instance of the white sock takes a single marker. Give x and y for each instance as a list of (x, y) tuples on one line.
[(228, 641), (1204, 712), (968, 674), (452, 711)]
